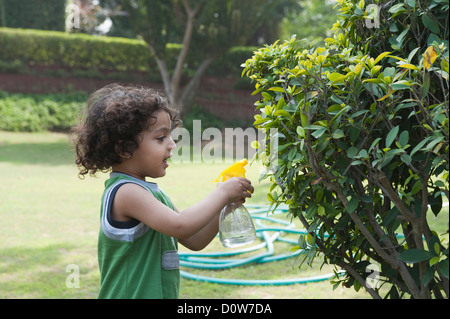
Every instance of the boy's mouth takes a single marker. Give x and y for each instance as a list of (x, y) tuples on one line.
[(166, 164)]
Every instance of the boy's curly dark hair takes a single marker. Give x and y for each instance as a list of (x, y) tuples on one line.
[(114, 118)]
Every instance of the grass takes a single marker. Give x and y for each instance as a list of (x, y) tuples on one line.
[(46, 219), (50, 218)]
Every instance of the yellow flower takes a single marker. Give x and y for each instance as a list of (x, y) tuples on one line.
[(235, 170), (429, 57)]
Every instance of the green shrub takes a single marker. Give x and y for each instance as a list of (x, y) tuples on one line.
[(22, 47), (74, 50), (363, 143), (39, 112)]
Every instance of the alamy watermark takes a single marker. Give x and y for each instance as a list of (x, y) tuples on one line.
[(73, 279), (373, 16), (373, 279), (73, 16), (211, 145)]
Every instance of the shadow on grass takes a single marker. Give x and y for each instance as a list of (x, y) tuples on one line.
[(29, 272), (42, 153)]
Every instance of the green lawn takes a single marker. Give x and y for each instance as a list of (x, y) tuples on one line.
[(49, 220)]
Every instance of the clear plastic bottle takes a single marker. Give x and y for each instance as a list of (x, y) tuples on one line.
[(236, 226)]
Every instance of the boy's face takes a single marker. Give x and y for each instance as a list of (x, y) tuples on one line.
[(155, 148)]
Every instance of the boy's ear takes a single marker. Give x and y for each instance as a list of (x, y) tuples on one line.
[(120, 148)]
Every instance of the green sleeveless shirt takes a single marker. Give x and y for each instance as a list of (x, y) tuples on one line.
[(135, 261)]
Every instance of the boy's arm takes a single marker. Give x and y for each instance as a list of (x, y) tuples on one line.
[(133, 201), (202, 238)]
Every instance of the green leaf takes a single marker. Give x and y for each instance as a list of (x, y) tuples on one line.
[(411, 3), (261, 120), (419, 146), (397, 8), (445, 65), (281, 113), (402, 36), (428, 276), (374, 143), (386, 96), (434, 261), (318, 133), (415, 255), (363, 154), (399, 86), (292, 153), (395, 152), (276, 89), (391, 136), (255, 145), (409, 66), (304, 119), (354, 133), (336, 77), (320, 210), (352, 204), (338, 134), (280, 103), (351, 152), (430, 146), (266, 96), (301, 131), (416, 187), (406, 159), (430, 24), (403, 138), (382, 55), (435, 202), (295, 248), (443, 267)]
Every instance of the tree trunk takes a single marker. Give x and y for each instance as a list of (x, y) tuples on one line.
[(172, 84), (192, 86)]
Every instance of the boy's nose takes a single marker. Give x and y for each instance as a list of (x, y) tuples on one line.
[(172, 143)]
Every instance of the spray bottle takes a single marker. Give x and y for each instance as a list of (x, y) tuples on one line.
[(235, 224)]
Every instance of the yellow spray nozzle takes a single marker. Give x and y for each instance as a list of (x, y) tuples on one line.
[(235, 170)]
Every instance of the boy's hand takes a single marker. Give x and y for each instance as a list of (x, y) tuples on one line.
[(237, 189)]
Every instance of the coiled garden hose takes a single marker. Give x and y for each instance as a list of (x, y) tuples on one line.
[(215, 260), (208, 260)]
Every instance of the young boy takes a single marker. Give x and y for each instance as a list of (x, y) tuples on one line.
[(127, 130)]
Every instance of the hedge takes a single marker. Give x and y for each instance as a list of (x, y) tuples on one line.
[(39, 112), (73, 50), (82, 51)]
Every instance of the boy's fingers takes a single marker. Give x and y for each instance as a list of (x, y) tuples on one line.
[(249, 187)]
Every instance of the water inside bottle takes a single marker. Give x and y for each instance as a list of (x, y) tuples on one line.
[(236, 226)]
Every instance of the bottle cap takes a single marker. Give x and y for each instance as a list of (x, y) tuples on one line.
[(235, 170)]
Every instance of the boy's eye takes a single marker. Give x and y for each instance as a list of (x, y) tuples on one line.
[(176, 140), (161, 138)]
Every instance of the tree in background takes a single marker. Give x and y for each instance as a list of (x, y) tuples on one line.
[(312, 23), (31, 14), (91, 16), (205, 29), (363, 144)]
